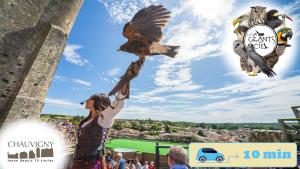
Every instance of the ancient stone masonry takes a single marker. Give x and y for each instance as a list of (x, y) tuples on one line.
[(33, 34)]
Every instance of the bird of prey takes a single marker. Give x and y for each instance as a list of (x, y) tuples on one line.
[(239, 49), (257, 15), (144, 32), (273, 58), (283, 35), (257, 62), (242, 20), (273, 20), (240, 32)]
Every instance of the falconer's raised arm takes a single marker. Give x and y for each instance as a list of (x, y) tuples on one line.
[(121, 90), (131, 72)]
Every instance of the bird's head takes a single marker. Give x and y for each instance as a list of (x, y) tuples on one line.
[(242, 20), (284, 34), (238, 45), (250, 46), (237, 20), (273, 13), (123, 48), (285, 16)]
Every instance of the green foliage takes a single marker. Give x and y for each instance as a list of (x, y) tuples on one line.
[(135, 125), (214, 126), (142, 128), (167, 129), (200, 133), (117, 126), (154, 127), (153, 133), (202, 125)]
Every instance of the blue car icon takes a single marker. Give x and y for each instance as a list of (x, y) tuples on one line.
[(209, 154)]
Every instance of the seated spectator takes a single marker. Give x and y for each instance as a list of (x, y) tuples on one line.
[(137, 163), (119, 162), (152, 166), (146, 166), (108, 155), (177, 158), (109, 164), (131, 164)]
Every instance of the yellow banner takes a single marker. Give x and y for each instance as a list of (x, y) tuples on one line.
[(243, 154)]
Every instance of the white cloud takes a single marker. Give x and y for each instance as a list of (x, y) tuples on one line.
[(121, 11), (198, 27), (247, 101), (62, 103), (82, 82), (213, 11), (61, 78), (114, 72), (78, 81), (198, 32), (72, 56), (292, 10)]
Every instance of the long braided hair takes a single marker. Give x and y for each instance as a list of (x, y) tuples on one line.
[(101, 102)]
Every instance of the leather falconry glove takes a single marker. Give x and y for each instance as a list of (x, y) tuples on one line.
[(131, 72)]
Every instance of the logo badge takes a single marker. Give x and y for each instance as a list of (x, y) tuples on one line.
[(29, 144), (263, 39)]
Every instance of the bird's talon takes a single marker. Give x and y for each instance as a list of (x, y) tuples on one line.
[(252, 74)]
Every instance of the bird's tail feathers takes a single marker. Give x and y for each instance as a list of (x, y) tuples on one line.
[(171, 51), (268, 71), (168, 50)]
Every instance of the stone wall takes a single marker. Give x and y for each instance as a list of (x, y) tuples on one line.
[(265, 136), (33, 34)]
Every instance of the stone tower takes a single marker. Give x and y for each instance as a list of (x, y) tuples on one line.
[(33, 34)]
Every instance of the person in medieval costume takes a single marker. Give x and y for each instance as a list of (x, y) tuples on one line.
[(93, 129)]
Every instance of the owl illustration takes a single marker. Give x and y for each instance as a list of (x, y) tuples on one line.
[(257, 15)]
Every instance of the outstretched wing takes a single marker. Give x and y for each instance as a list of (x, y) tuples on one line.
[(260, 62), (273, 58), (147, 24)]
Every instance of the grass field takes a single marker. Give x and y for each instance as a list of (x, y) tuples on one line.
[(140, 145)]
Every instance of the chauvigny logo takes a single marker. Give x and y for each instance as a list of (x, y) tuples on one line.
[(263, 38), (31, 144), (40, 151)]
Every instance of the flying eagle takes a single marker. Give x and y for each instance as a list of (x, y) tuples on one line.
[(144, 32)]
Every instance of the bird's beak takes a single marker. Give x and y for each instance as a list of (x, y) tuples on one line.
[(118, 50), (276, 14), (289, 18), (235, 21), (289, 35), (236, 30)]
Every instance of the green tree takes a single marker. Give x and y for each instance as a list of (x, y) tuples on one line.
[(200, 133), (214, 126), (154, 127), (141, 128), (117, 126), (167, 129)]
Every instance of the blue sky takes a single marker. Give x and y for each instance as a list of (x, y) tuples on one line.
[(202, 84)]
